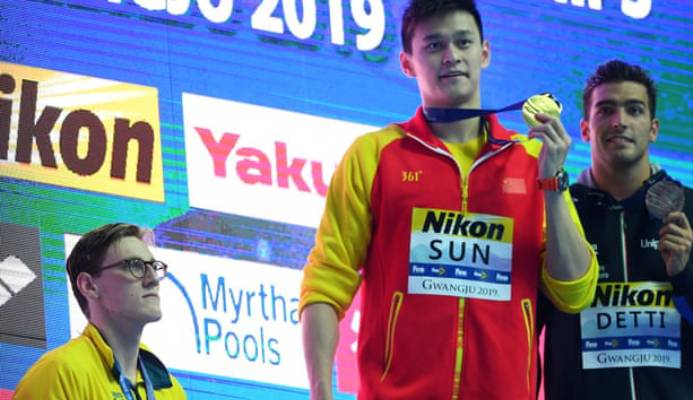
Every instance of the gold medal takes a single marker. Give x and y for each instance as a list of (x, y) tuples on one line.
[(543, 103)]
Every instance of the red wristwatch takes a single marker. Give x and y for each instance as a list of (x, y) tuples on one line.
[(557, 183)]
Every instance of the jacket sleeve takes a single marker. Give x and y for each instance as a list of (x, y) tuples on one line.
[(683, 292), (682, 283), (331, 274), (572, 296)]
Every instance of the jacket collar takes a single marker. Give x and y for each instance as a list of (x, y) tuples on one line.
[(155, 368), (586, 189), (419, 127), (587, 179)]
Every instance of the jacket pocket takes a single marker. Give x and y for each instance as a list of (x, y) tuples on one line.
[(395, 306), (528, 314)]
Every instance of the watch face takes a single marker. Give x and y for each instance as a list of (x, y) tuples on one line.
[(562, 178)]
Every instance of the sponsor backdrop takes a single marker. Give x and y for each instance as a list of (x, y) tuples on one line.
[(218, 124)]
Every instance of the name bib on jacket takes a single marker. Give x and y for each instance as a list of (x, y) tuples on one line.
[(462, 255), (633, 324)]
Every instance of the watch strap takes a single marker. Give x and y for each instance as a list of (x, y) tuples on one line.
[(556, 183)]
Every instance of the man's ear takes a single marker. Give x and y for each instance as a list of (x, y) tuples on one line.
[(585, 130), (87, 286), (485, 54), (654, 130), (406, 65)]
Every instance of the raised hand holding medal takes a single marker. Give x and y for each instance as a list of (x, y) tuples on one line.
[(542, 113), (665, 200)]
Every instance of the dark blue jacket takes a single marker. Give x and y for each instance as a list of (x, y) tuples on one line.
[(607, 224)]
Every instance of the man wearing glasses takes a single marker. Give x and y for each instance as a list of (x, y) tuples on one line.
[(115, 279)]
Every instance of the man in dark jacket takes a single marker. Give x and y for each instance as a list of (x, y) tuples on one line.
[(636, 340)]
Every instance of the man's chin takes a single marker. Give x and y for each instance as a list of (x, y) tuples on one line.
[(623, 160), (153, 316), (454, 100), (157, 317)]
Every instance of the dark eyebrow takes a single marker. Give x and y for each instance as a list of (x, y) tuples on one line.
[(432, 37), (632, 102), (604, 103), (437, 36), (137, 258), (610, 102)]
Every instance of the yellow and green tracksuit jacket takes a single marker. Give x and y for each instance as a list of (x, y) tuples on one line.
[(82, 369)]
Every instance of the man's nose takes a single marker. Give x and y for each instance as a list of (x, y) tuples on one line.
[(618, 118), (450, 55), (150, 276)]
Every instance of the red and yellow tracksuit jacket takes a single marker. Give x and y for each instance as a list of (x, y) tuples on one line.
[(422, 346)]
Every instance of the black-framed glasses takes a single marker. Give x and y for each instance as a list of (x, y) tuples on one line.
[(138, 267)]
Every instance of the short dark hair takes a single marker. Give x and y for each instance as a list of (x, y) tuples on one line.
[(90, 250), (619, 71), (420, 10)]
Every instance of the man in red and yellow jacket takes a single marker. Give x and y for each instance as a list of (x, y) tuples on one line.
[(452, 227)]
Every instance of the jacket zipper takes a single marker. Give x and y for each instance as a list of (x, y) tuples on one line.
[(395, 306), (457, 377), (624, 266), (529, 325), (459, 350)]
